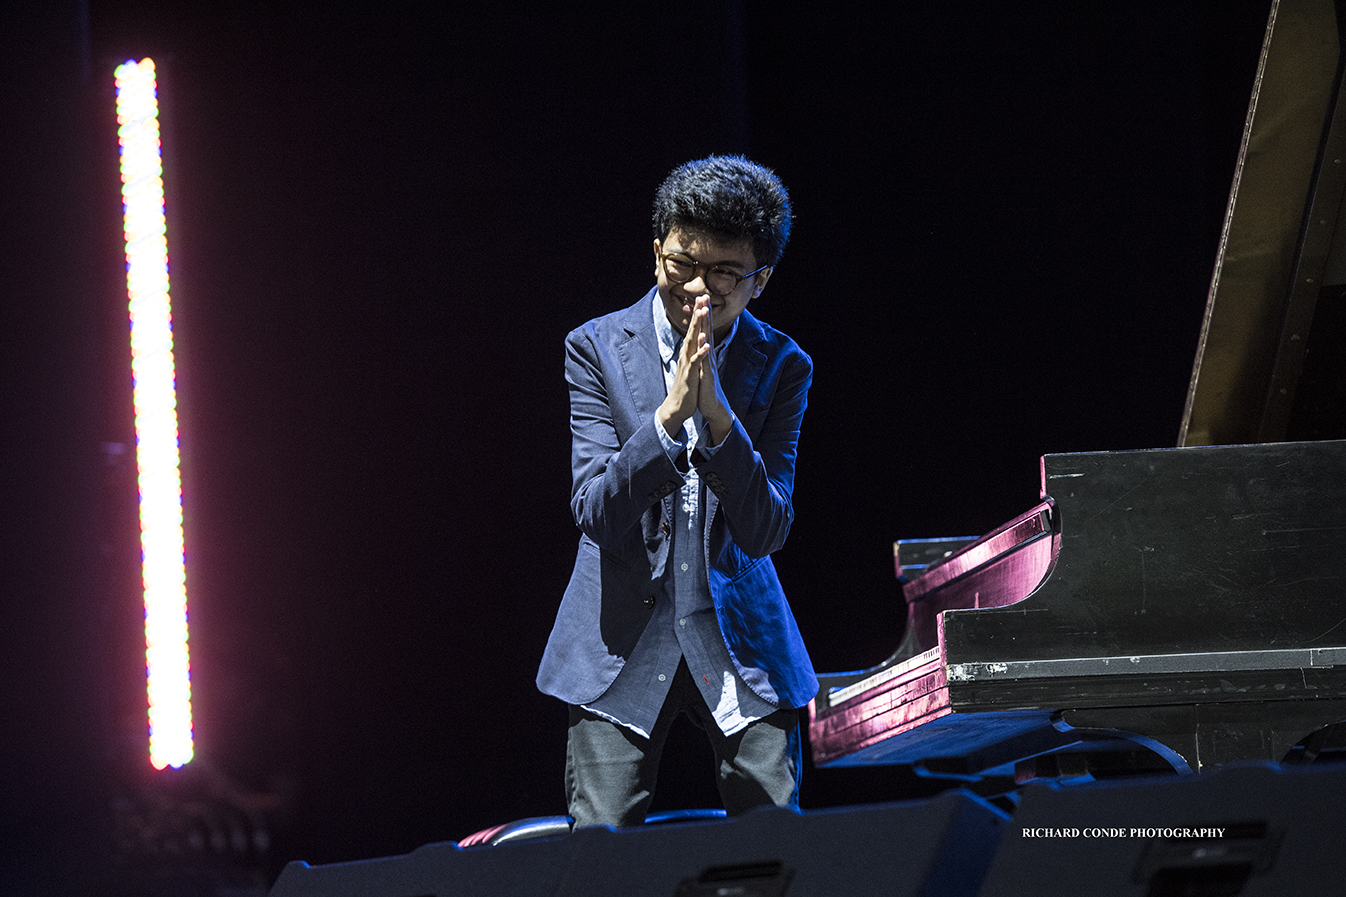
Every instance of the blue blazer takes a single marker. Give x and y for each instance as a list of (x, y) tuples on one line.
[(622, 492)]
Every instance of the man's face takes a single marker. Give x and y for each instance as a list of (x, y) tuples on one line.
[(680, 298)]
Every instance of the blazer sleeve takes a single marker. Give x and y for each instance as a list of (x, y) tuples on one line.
[(753, 478), (619, 466)]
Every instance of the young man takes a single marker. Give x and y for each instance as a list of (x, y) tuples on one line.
[(684, 416)]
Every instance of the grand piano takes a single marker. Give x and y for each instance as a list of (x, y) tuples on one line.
[(1174, 608)]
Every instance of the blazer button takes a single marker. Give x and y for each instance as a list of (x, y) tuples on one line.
[(649, 601)]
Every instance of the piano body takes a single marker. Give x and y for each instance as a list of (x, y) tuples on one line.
[(1191, 601), (1180, 606)]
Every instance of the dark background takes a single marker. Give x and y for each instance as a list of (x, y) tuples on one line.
[(382, 223)]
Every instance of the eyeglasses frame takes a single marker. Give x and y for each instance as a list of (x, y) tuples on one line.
[(665, 256)]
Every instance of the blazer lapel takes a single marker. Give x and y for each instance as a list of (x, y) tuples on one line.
[(740, 376), (639, 352), (742, 371)]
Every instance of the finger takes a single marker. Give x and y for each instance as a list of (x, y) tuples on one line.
[(691, 341), (696, 351)]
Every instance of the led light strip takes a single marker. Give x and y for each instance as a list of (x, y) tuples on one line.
[(161, 545)]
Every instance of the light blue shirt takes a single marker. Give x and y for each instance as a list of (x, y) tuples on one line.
[(683, 623)]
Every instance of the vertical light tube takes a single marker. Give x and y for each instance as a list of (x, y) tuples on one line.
[(161, 544)]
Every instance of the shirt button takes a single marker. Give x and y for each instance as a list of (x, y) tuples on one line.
[(684, 568), (662, 677), (682, 622)]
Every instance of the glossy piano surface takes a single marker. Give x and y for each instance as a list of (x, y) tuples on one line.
[(1191, 600)]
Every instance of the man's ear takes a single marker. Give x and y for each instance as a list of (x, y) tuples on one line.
[(762, 277)]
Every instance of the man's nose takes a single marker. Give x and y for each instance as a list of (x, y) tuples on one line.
[(697, 285)]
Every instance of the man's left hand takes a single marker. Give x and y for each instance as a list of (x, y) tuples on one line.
[(711, 401)]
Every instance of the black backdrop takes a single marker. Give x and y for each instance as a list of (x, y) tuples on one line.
[(382, 222)]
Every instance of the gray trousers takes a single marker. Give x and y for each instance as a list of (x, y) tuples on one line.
[(611, 771)]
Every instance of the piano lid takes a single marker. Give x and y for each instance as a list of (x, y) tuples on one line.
[(1271, 361)]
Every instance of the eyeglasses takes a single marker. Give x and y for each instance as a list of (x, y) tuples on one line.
[(719, 280)]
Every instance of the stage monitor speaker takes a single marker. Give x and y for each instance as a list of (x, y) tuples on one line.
[(1256, 830), (941, 846), (520, 869)]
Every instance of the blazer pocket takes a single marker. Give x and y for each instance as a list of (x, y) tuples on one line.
[(608, 556), (752, 565)]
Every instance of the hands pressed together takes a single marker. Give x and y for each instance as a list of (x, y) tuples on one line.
[(696, 384)]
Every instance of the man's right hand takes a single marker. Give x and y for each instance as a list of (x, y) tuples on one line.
[(683, 394)]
